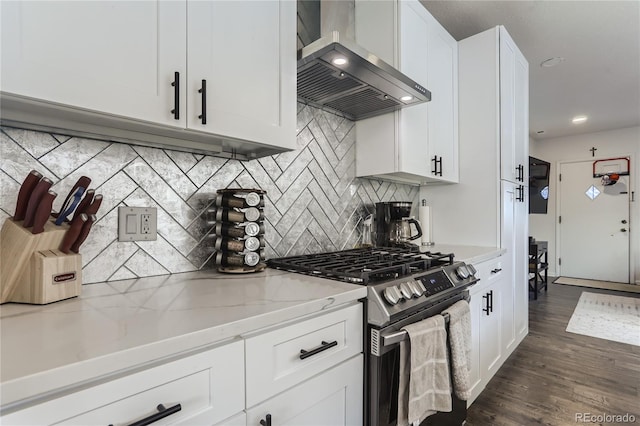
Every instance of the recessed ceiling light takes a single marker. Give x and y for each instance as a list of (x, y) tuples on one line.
[(339, 61), (551, 62), (406, 98), (579, 119)]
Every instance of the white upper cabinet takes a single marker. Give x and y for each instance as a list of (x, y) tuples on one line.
[(112, 57), (514, 111), (418, 144), (133, 71)]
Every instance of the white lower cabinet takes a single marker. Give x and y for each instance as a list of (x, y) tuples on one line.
[(334, 397), (209, 387), (488, 306)]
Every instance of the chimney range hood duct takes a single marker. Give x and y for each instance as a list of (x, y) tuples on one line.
[(338, 75)]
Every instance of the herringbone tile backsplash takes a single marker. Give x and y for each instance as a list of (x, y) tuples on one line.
[(314, 201)]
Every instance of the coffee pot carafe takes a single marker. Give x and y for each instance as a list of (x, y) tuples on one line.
[(393, 224)]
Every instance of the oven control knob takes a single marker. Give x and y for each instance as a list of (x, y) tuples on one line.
[(462, 272), (472, 269), (392, 294), (417, 288), (406, 290)]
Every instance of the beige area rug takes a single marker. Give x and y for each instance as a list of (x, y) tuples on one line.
[(608, 285), (608, 317)]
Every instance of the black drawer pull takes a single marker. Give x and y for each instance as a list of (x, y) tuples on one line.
[(266, 421), (490, 301), (176, 95), (325, 345), (495, 271), (161, 414), (488, 308), (203, 90)]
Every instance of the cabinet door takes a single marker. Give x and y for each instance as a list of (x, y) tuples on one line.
[(475, 379), (510, 194), (334, 397), (115, 57), (521, 267), (442, 110), (414, 62), (245, 51), (490, 330)]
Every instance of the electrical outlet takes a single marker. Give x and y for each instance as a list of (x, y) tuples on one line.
[(137, 223)]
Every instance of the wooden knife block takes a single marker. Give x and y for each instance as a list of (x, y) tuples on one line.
[(33, 270)]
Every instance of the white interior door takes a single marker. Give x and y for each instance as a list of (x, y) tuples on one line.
[(594, 225)]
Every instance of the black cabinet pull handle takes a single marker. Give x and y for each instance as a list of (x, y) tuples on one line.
[(520, 170), (491, 300), (495, 271), (486, 297), (323, 347), (176, 95), (266, 421), (203, 90), (435, 165), (161, 414), (440, 168)]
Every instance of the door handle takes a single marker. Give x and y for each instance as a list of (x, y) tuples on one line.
[(203, 91), (266, 421), (176, 95), (623, 221), (623, 229)]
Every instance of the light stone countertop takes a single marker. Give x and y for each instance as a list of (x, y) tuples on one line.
[(467, 254), (114, 326)]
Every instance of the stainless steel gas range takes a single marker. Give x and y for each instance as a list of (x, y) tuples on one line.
[(404, 286)]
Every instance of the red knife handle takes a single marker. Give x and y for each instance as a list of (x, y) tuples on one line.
[(27, 187), (43, 212), (86, 227), (72, 233), (86, 201), (41, 188), (95, 205), (84, 182)]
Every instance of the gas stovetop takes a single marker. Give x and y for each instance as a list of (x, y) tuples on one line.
[(400, 280), (364, 266)]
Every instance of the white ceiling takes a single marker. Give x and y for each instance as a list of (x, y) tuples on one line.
[(600, 44)]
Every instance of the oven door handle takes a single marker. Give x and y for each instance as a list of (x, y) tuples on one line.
[(396, 337)]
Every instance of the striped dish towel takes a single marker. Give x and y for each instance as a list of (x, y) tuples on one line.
[(425, 382)]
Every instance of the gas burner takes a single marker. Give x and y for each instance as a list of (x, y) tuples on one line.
[(364, 265)]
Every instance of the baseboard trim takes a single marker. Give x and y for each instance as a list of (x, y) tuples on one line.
[(608, 285)]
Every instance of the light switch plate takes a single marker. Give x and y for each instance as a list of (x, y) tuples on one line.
[(137, 223)]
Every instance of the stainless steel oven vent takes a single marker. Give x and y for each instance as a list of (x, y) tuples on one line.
[(340, 76)]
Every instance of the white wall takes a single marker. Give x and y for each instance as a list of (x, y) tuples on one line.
[(613, 143)]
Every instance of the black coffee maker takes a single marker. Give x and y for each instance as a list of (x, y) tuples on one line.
[(393, 224)]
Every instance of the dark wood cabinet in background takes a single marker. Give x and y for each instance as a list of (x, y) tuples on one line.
[(538, 267)]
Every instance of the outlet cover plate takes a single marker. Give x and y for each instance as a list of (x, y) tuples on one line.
[(137, 224)]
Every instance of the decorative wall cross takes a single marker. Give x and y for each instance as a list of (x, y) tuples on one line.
[(593, 151)]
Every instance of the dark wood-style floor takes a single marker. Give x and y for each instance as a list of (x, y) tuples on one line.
[(554, 374)]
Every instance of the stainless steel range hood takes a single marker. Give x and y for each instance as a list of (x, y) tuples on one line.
[(336, 74)]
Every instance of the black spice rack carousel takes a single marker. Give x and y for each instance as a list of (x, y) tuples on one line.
[(238, 234)]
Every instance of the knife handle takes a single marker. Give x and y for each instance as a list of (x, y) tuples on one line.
[(83, 182), (95, 205), (72, 234), (86, 201), (43, 212), (86, 227), (38, 192), (27, 187)]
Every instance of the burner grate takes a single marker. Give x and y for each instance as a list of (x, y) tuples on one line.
[(363, 265)]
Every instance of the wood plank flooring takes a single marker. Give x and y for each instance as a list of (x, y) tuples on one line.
[(554, 374)]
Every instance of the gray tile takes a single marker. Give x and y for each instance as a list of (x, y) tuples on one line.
[(8, 193), (143, 265), (201, 253), (348, 142), (3, 216), (205, 168), (167, 170), (161, 193), (325, 164), (103, 233), (321, 237), (114, 191), (324, 221), (313, 246), (35, 143), (122, 274), (300, 246), (323, 143), (293, 192), (328, 207), (295, 168), (61, 138), (17, 163), (295, 231), (166, 255), (270, 166), (71, 155), (262, 178), (291, 215), (322, 181), (271, 235), (346, 168), (100, 169), (184, 160), (107, 262), (346, 127), (327, 128), (286, 158), (221, 179), (303, 118)]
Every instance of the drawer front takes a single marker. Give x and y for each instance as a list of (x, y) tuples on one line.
[(209, 386), (489, 272), (273, 359)]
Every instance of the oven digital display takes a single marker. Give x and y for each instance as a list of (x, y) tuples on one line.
[(435, 282)]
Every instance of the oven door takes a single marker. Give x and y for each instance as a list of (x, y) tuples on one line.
[(384, 371)]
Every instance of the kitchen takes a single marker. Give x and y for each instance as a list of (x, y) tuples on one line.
[(315, 203)]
